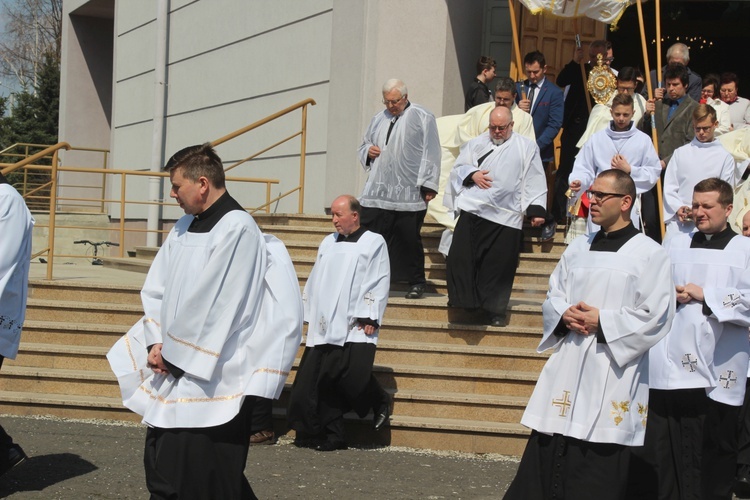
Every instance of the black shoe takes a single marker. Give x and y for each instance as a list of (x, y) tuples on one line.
[(381, 416), (415, 292), (15, 457), (742, 483), (548, 231), (331, 445), (498, 320)]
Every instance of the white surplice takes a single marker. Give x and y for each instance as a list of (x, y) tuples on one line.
[(518, 180), (16, 224), (350, 280), (689, 165), (707, 351), (409, 162), (594, 391), (596, 157), (210, 299)]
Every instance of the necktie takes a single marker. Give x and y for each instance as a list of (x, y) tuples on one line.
[(532, 88)]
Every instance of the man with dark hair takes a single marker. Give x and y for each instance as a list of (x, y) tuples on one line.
[(739, 107), (345, 299), (575, 118), (610, 299), (620, 146), (210, 346), (700, 158), (401, 153), (673, 115), (544, 101), (697, 371), (478, 91), (16, 224)]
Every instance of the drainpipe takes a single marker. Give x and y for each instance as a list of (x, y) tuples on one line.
[(157, 143)]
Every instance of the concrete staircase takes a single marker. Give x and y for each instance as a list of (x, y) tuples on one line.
[(456, 385)]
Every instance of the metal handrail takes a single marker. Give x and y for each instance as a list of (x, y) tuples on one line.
[(34, 190)]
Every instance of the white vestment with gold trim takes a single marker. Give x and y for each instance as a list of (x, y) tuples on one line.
[(592, 391), (226, 306)]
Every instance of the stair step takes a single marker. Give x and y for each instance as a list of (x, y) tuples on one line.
[(59, 381), (81, 291), (61, 332), (74, 357), (65, 406), (444, 332), (132, 264), (395, 352), (84, 312), (466, 407)]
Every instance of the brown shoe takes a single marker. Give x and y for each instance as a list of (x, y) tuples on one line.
[(263, 437)]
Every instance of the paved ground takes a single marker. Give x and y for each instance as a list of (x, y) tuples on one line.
[(100, 460)]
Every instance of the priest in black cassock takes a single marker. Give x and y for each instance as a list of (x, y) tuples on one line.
[(344, 302)]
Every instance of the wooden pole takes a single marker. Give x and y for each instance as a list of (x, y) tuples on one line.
[(647, 72), (516, 45), (658, 43), (583, 69)]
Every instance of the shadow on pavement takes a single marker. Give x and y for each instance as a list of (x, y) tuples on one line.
[(38, 473)]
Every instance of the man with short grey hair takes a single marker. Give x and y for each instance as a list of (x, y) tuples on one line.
[(680, 53), (401, 152)]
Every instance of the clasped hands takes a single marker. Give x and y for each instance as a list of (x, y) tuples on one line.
[(582, 319), (155, 361), (689, 292)]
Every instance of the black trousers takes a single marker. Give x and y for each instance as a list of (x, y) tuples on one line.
[(5, 440), (331, 381), (402, 234), (261, 418), (568, 151), (200, 463), (690, 452), (743, 439), (481, 264), (562, 467)]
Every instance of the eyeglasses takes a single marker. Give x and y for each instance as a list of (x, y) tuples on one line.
[(707, 92), (622, 89), (600, 196), (609, 59), (500, 128), (728, 91), (703, 129), (393, 102)]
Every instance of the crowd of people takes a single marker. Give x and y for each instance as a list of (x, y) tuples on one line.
[(644, 394)]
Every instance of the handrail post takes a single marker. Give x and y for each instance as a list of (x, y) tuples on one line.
[(122, 213), (104, 181), (303, 140), (52, 212)]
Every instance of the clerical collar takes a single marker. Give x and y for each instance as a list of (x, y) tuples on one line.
[(205, 221), (613, 129), (3, 180), (695, 142), (717, 241), (612, 241), (353, 237)]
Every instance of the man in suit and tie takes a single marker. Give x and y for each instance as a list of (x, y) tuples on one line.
[(545, 102), (672, 109)]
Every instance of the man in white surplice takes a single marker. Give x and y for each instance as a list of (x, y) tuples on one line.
[(610, 299), (697, 372), (16, 224), (345, 299), (620, 146), (701, 158), (209, 313), (497, 180), (401, 153)]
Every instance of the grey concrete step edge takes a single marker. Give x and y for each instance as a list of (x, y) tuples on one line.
[(58, 373), (447, 424), (444, 325), (94, 402), (519, 352)]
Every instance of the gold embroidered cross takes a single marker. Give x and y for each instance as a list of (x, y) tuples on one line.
[(563, 403)]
